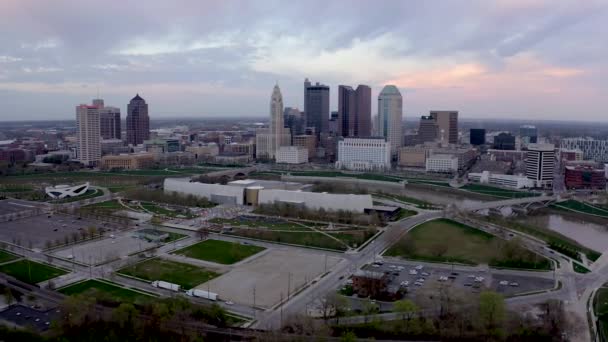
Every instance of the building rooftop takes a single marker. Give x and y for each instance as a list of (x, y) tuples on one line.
[(369, 274)]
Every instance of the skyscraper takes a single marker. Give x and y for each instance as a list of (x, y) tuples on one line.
[(390, 116), (540, 164), (447, 122), (316, 106), (89, 139), (138, 121), (428, 129), (528, 134), (346, 111), (363, 111), (109, 122)]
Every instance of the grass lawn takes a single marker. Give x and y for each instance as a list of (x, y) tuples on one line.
[(444, 240), (582, 207), (113, 204), (578, 268), (31, 272), (497, 192), (7, 256), (186, 275), (262, 223), (174, 236), (114, 291), (403, 213), (222, 252)]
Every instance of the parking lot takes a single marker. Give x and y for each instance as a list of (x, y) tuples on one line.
[(38, 231), (104, 250), (417, 277)]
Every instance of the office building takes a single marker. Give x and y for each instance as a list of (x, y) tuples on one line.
[(540, 164), (160, 145), (346, 111), (427, 129), (109, 120), (412, 157), (232, 158), (466, 156), (113, 146), (138, 121), (442, 163), (364, 154), (507, 181), (504, 141), (132, 161), (333, 122), (204, 151), (447, 125), (363, 111), (570, 155), (277, 127), (528, 134), (592, 149), (390, 117), (247, 148), (89, 134), (584, 177), (294, 120), (292, 155), (316, 107), (477, 136), (307, 141)]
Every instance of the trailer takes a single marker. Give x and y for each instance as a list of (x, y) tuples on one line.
[(166, 285), (202, 294)]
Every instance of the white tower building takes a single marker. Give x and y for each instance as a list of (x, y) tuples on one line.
[(390, 117), (89, 134)]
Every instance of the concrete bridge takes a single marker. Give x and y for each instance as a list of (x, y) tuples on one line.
[(522, 203), (232, 174)]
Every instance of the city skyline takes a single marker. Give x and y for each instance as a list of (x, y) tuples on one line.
[(505, 58)]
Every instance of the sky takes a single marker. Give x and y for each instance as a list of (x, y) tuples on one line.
[(515, 59)]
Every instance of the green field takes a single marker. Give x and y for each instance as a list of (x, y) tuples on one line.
[(186, 275), (497, 192), (113, 204), (116, 292), (403, 213), (578, 268), (444, 240), (30, 271), (7, 256), (174, 236), (600, 305), (222, 252), (582, 207)]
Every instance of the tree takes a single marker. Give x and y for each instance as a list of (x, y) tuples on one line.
[(348, 336), (369, 308), (492, 312), (407, 309), (124, 314)]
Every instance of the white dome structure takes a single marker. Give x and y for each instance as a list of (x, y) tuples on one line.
[(64, 191)]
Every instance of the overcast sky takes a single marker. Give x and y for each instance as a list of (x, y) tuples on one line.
[(507, 58)]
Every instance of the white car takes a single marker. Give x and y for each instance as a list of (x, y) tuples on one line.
[(513, 284), (405, 283), (418, 284), (503, 282), (400, 268), (229, 303), (419, 267), (443, 278), (425, 274), (413, 272), (375, 265), (478, 279), (420, 280), (392, 266)]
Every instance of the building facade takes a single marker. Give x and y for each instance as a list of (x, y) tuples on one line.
[(89, 134), (390, 116), (133, 161), (504, 141), (442, 163), (292, 155), (412, 157), (363, 111), (447, 124), (316, 107), (427, 129), (592, 149), (346, 111), (507, 181), (138, 121), (528, 134), (364, 154), (584, 177), (477, 136), (307, 141), (109, 122), (540, 164)]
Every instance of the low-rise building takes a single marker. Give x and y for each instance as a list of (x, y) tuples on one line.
[(584, 177), (229, 158), (369, 283), (507, 181), (162, 145), (131, 161), (412, 157), (570, 155), (308, 141), (292, 155), (442, 163), (241, 148), (203, 152), (364, 154)]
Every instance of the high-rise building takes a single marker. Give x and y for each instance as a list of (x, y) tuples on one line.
[(364, 154), (447, 123), (346, 111), (316, 107), (528, 134), (504, 141), (333, 122), (363, 111), (390, 116), (109, 120), (138, 121), (277, 127), (293, 118), (89, 137), (540, 164), (427, 130), (477, 136)]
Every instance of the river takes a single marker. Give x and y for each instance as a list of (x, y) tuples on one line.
[(592, 235)]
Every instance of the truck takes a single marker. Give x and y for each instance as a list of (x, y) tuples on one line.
[(202, 294), (166, 285)]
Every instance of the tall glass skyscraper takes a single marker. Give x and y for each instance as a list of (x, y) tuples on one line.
[(138, 121)]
